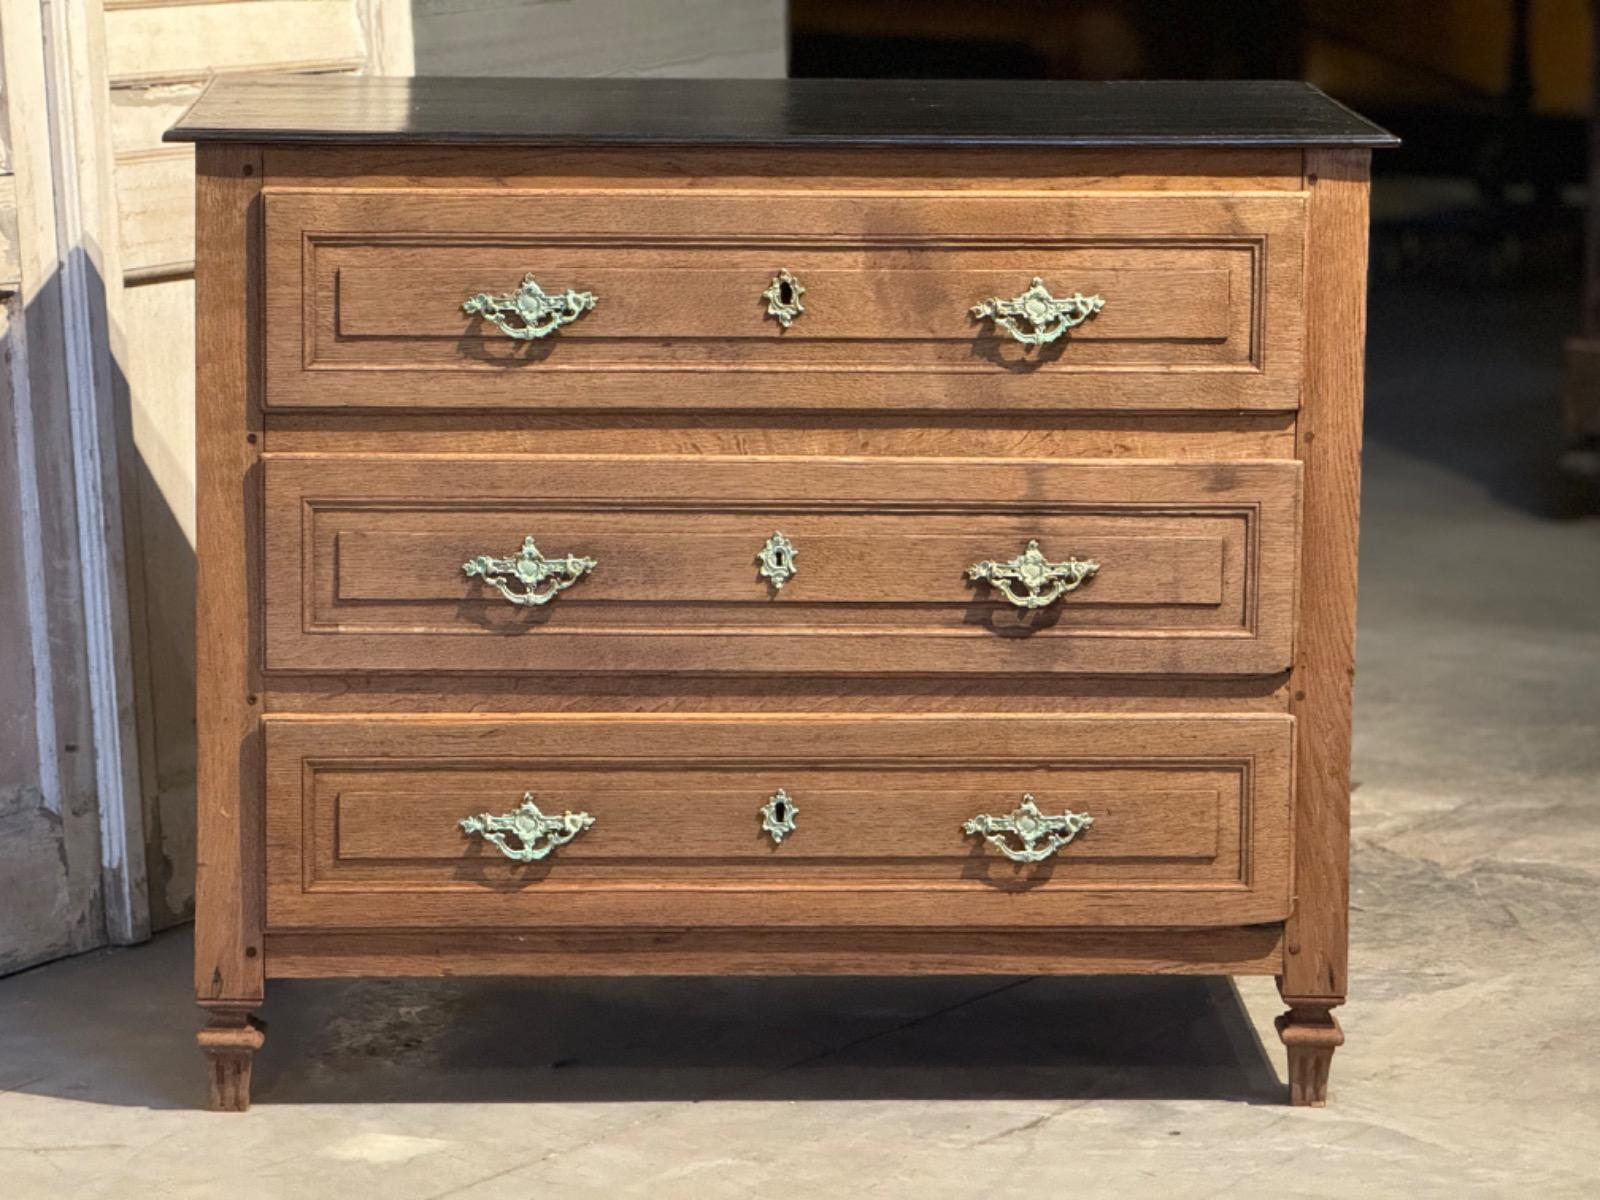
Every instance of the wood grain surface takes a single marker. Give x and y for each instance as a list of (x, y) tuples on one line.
[(1247, 950), (397, 692), (228, 876), (731, 168), (954, 435), (1329, 437)]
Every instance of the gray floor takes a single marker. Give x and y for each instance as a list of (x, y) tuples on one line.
[(1471, 1065)]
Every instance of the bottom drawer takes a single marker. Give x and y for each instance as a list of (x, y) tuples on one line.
[(412, 822)]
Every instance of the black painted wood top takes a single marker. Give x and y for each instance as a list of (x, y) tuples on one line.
[(323, 109)]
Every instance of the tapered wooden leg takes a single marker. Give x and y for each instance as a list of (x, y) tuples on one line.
[(1311, 1033), (1316, 935), (230, 1041)]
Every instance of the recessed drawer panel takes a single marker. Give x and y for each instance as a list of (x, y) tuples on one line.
[(778, 566), (1188, 302), (985, 819)]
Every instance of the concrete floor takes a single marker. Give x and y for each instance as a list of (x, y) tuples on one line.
[(1471, 1064)]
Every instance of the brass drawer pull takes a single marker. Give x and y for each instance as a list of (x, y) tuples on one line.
[(536, 833), (530, 578), (1031, 580), (529, 312), (1041, 836), (1047, 317)]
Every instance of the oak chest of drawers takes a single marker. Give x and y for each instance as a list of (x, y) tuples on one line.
[(677, 528)]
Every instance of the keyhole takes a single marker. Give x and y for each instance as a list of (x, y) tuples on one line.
[(781, 811), (785, 293)]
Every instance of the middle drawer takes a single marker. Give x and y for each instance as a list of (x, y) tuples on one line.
[(778, 565)]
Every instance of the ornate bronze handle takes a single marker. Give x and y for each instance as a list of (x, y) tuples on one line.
[(1031, 580), (530, 312), (530, 578), (1041, 836), (1047, 317), (536, 833)]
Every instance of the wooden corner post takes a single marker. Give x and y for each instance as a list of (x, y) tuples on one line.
[(1328, 441), (228, 963)]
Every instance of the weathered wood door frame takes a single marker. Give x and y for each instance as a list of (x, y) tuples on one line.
[(68, 443), (90, 265)]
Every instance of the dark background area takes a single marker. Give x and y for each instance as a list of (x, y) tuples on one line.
[(1493, 90), (1478, 219)]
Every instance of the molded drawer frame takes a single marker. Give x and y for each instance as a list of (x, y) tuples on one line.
[(364, 565), (321, 877), (1203, 310)]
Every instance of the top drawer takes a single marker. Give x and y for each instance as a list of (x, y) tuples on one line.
[(365, 292)]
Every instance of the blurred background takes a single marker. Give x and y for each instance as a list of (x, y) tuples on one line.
[(1480, 583)]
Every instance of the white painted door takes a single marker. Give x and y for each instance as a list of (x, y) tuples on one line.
[(69, 877)]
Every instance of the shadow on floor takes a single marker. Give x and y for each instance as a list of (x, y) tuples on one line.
[(117, 1027)]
